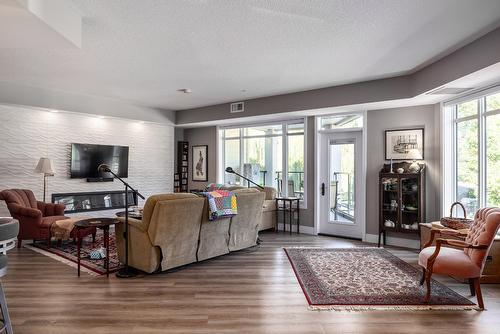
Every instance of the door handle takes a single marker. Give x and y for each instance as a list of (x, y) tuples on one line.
[(322, 189)]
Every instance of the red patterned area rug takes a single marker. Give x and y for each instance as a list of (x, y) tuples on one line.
[(366, 279), (67, 251)]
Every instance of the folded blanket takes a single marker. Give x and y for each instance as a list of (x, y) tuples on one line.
[(221, 203)]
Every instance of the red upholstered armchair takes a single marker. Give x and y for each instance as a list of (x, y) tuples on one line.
[(35, 217)]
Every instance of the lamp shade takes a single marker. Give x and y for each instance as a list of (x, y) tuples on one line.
[(44, 166), (414, 154)]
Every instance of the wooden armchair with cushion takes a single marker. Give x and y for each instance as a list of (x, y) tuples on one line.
[(461, 258)]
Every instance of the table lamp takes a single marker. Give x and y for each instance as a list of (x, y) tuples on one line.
[(44, 167), (415, 155)]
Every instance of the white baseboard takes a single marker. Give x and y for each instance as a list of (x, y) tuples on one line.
[(302, 229), (393, 241)]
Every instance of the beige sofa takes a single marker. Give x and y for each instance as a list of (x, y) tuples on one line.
[(175, 231), (268, 208)]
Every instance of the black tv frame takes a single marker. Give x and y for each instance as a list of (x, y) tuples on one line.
[(96, 178)]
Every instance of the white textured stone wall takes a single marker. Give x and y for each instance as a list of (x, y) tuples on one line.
[(28, 134)]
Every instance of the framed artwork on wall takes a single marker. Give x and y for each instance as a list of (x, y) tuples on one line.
[(200, 163), (404, 144)]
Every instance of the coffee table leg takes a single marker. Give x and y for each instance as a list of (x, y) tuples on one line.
[(106, 241), (78, 246)]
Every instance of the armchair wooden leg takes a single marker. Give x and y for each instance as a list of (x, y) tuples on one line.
[(422, 280), (479, 295), (19, 242), (93, 236), (428, 275), (471, 287)]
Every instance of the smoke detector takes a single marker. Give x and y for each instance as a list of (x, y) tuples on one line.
[(185, 90)]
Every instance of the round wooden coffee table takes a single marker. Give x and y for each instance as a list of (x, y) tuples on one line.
[(103, 224)]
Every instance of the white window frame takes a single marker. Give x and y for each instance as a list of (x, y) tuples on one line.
[(449, 123), (284, 135)]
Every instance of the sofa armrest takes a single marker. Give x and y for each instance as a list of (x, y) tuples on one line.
[(19, 210), (135, 223)]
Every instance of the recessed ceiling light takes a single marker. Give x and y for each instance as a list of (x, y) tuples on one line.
[(54, 110), (185, 90), (100, 116), (141, 122)]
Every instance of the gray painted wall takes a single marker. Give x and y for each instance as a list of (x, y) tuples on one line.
[(400, 118), (202, 136)]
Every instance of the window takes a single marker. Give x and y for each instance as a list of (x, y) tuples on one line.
[(341, 122), (269, 154), (476, 151)]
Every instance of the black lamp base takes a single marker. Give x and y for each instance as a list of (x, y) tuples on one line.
[(127, 272)]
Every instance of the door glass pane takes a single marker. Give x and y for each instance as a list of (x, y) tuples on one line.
[(232, 159), (295, 166), (493, 160), (493, 102), (467, 109), (341, 172), (467, 165)]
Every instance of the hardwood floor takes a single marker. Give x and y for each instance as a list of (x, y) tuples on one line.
[(246, 292)]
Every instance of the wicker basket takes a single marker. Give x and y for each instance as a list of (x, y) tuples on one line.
[(456, 223)]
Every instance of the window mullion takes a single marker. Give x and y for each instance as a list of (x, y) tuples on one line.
[(482, 152), (284, 162)]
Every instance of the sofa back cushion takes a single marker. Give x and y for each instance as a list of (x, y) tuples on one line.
[(174, 227), (243, 231), (151, 203)]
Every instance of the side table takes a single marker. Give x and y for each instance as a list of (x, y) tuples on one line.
[(290, 209), (103, 224)]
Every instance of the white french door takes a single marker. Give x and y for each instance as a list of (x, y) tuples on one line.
[(341, 196)]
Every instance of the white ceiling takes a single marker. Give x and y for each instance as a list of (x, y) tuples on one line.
[(143, 51)]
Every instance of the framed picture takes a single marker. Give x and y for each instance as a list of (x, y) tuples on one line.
[(401, 144), (200, 163)]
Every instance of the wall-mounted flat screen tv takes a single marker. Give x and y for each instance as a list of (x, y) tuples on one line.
[(85, 158)]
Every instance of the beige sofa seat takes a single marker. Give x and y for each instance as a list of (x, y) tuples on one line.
[(214, 236), (244, 228), (167, 236)]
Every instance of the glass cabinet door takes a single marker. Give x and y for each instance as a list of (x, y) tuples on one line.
[(410, 189), (390, 202)]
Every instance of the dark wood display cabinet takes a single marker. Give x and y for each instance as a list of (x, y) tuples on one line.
[(402, 199)]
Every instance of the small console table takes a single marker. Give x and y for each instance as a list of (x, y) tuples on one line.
[(288, 208)]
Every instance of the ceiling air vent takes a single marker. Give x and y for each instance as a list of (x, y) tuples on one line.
[(237, 107), (448, 91)]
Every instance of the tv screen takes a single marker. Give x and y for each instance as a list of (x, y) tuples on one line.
[(85, 158)]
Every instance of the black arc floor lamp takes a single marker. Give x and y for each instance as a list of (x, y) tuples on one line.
[(125, 272), (230, 170)]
